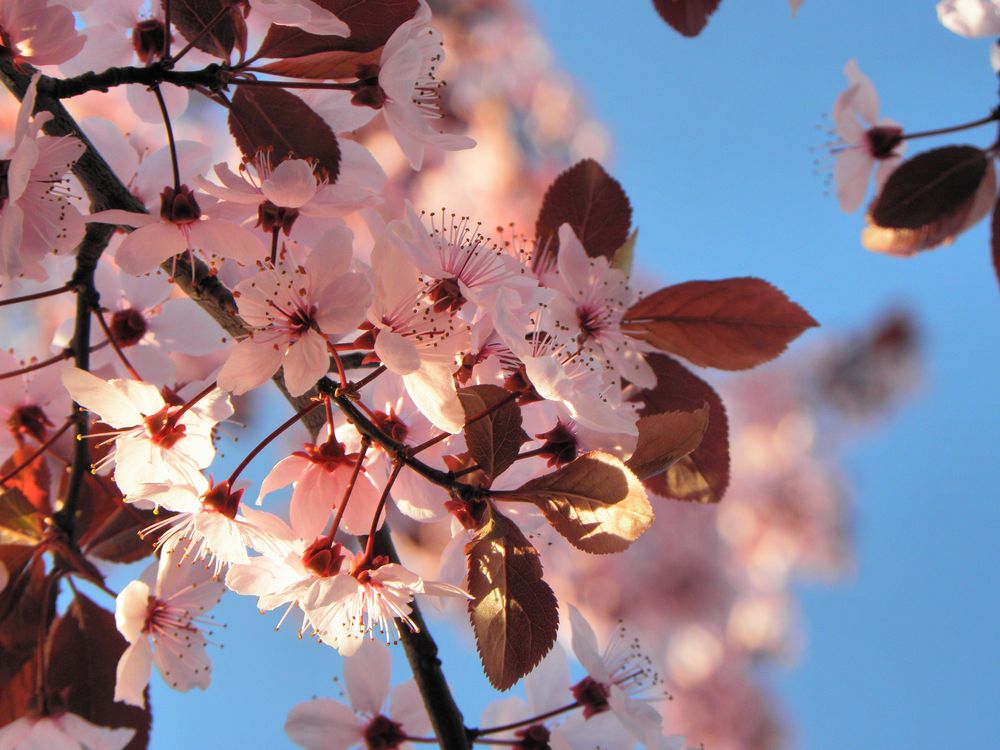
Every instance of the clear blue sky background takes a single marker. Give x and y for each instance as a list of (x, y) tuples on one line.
[(713, 139)]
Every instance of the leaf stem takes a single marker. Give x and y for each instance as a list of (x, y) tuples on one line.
[(991, 117)]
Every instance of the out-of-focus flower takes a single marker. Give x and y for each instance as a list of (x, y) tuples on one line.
[(864, 140), (37, 33), (304, 14), (162, 623), (972, 18), (66, 731), (325, 724)]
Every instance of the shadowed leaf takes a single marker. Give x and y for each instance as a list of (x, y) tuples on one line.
[(271, 119), (494, 440), (226, 33), (593, 203), (702, 475), (109, 526), (514, 613), (595, 501), (23, 612), (324, 65), (34, 480), (688, 17), (371, 22), (20, 521), (84, 649), (731, 324), (666, 438), (930, 199)]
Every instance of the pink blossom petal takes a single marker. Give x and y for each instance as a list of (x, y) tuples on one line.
[(286, 471), (131, 610), (397, 352), (100, 397), (250, 364), (312, 502), (292, 184), (182, 327), (361, 507), (134, 669), (324, 724), (306, 362), (547, 686), (224, 240), (585, 647), (182, 661), (407, 708), (850, 175), (147, 247), (432, 389), (366, 675)]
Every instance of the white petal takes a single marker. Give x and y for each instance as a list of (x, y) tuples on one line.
[(585, 647), (306, 362), (366, 675), (132, 611), (292, 184), (250, 364), (134, 669), (100, 397), (147, 247), (324, 724)]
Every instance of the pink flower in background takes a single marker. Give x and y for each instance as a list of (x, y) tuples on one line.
[(972, 18), (304, 14), (66, 731), (162, 619), (38, 33), (865, 140), (325, 724), (36, 215)]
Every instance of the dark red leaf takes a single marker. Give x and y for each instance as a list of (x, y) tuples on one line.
[(731, 324), (371, 22), (596, 502), (108, 527), (703, 474), (268, 118), (18, 684), (930, 199), (25, 612), (593, 203), (323, 65), (688, 17), (664, 439), (494, 440), (34, 480), (84, 649), (514, 613), (215, 26)]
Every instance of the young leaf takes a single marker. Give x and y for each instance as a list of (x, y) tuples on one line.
[(493, 440), (271, 118), (596, 502), (83, 652), (20, 521), (324, 65), (731, 324), (371, 22), (593, 203), (688, 17), (930, 199), (514, 613), (703, 474), (666, 438), (228, 32)]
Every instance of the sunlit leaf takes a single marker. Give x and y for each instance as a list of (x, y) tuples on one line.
[(666, 438)]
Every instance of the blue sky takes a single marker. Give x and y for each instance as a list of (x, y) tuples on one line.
[(713, 139)]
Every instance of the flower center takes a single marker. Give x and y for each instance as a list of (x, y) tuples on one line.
[(163, 429), (592, 695), (271, 217), (883, 139), (179, 206), (149, 39), (331, 455), (368, 92), (28, 420), (301, 319), (382, 733), (446, 294), (535, 737), (222, 500), (128, 327), (391, 425)]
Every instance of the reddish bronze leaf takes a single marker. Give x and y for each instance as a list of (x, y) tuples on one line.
[(514, 613), (666, 438), (272, 119), (731, 324), (324, 65), (703, 474), (84, 649), (20, 521), (34, 480), (371, 22), (593, 203), (494, 440), (596, 502), (108, 526), (23, 609), (17, 689), (931, 199), (995, 239), (688, 17), (226, 28)]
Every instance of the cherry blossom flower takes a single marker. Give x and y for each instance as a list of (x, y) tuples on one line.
[(30, 405), (593, 298), (181, 227), (415, 341), (282, 194), (162, 619), (38, 33), (293, 313), (66, 731), (36, 216), (404, 86), (154, 442), (304, 14), (619, 670), (864, 140), (971, 18), (325, 724), (320, 473)]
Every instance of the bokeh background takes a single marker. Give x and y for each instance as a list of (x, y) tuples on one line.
[(890, 638)]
